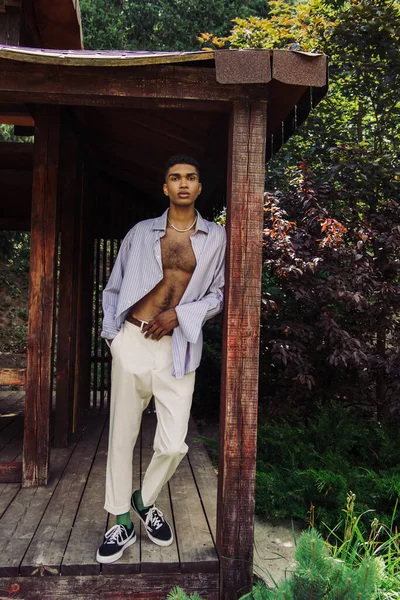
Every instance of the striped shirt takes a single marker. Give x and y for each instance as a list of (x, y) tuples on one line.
[(138, 269)]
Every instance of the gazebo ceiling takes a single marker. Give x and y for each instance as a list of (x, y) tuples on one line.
[(135, 109)]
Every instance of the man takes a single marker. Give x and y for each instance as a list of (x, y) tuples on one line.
[(167, 281)]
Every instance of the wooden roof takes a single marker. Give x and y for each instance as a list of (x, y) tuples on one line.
[(125, 105)]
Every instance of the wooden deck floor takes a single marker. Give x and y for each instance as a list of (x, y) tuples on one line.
[(49, 535)]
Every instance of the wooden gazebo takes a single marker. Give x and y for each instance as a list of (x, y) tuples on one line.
[(103, 124)]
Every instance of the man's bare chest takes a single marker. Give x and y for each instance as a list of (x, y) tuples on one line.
[(177, 254)]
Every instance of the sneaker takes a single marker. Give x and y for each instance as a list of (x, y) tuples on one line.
[(116, 540), (156, 526)]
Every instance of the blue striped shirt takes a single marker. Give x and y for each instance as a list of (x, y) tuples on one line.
[(138, 269)]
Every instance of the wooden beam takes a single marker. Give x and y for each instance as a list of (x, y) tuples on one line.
[(12, 376), (239, 388), (16, 155), (69, 195), (16, 119), (35, 83), (11, 472), (42, 283), (14, 224), (132, 586)]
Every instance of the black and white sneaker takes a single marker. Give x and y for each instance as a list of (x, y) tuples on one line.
[(116, 540), (156, 525)]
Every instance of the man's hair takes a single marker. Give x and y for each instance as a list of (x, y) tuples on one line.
[(181, 159)]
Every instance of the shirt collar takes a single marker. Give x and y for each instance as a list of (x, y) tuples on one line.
[(160, 223)]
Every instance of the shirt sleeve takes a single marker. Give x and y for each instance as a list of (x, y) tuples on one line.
[(112, 290), (193, 315)]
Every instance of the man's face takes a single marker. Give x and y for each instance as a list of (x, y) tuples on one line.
[(182, 185)]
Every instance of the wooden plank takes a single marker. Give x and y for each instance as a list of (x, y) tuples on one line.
[(67, 294), (137, 586), (91, 520), (130, 561), (12, 451), (44, 235), (21, 519), (10, 472), (156, 558), (195, 544), (47, 548), (12, 376), (11, 404), (204, 476), (105, 58), (239, 387), (8, 491), (65, 85)]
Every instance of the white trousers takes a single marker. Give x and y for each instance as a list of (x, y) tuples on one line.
[(142, 368)]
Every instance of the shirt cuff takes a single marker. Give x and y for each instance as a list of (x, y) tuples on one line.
[(191, 317)]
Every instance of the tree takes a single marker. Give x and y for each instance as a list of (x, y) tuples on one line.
[(160, 24), (330, 313)]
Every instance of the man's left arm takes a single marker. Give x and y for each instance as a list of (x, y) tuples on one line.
[(193, 315)]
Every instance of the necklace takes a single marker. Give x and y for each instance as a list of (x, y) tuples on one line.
[(182, 230)]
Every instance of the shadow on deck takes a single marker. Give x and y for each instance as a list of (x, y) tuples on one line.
[(49, 535)]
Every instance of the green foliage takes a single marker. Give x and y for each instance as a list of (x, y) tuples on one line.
[(305, 24), (178, 594), (7, 135), (160, 24), (104, 24), (14, 268), (359, 566), (315, 464)]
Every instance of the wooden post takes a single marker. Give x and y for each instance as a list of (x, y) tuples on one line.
[(42, 282), (69, 195), (239, 388), (84, 303)]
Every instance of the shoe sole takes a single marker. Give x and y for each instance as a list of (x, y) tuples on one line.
[(110, 559), (153, 539)]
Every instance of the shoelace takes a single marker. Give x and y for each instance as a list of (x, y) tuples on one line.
[(155, 517), (115, 534)]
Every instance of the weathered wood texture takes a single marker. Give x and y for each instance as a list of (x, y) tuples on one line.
[(46, 551), (69, 197), (91, 520), (12, 376), (20, 520), (53, 532), (42, 283), (204, 475), (153, 556), (239, 390), (111, 85), (10, 472), (137, 586)]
